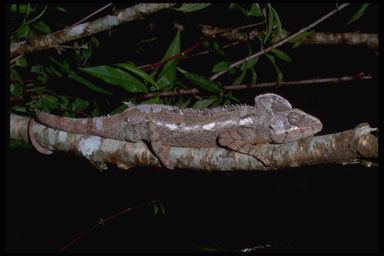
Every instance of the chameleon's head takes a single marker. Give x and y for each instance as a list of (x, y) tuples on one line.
[(286, 123), (292, 125)]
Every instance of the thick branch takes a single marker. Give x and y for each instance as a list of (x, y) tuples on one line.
[(318, 38), (87, 29), (340, 147), (354, 39)]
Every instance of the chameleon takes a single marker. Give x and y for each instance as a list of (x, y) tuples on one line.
[(238, 127)]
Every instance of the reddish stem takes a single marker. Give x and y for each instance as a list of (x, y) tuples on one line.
[(153, 66), (102, 221), (90, 15)]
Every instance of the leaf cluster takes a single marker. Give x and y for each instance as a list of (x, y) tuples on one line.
[(124, 80)]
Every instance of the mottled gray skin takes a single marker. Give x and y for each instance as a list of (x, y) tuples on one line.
[(242, 128)]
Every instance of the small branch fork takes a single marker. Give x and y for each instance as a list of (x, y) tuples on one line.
[(86, 29)]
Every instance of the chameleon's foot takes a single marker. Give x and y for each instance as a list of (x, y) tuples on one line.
[(237, 140), (162, 153), (256, 152), (263, 160), (34, 143)]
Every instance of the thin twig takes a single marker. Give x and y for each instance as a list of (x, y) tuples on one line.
[(209, 37), (217, 75), (102, 221), (90, 15), (87, 29), (16, 58), (194, 91)]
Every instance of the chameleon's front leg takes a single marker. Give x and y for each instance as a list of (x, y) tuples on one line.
[(244, 140)]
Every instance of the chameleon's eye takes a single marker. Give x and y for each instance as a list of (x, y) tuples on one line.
[(294, 118)]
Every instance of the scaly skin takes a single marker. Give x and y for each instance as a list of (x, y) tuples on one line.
[(241, 128)]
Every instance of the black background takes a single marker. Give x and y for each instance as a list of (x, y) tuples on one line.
[(50, 200)]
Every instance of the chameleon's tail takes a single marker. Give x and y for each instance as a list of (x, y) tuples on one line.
[(92, 126)]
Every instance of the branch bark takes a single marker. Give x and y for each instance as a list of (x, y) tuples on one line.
[(343, 147), (87, 29), (369, 40)]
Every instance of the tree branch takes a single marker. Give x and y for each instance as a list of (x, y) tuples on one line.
[(327, 80), (370, 40), (343, 147), (87, 29), (280, 43)]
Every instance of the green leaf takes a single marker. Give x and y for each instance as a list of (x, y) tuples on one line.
[(282, 55), (21, 62), (240, 78), (16, 143), (155, 209), (167, 76), (237, 6), (41, 27), (254, 76), (95, 42), (25, 9), (301, 36), (269, 24), (116, 76), (358, 14), (61, 9), (14, 75), (140, 73), (118, 109), (19, 108), (200, 104), (23, 31), (42, 78), (182, 104), (13, 8), (64, 100), (79, 104), (220, 66), (16, 89), (162, 209), (255, 10), (63, 66), (279, 74), (203, 82), (51, 102), (168, 73), (88, 84), (55, 71), (277, 22), (155, 100), (36, 69), (192, 7), (174, 48), (250, 64)]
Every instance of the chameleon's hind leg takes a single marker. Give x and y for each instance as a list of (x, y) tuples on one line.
[(242, 140), (160, 149)]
